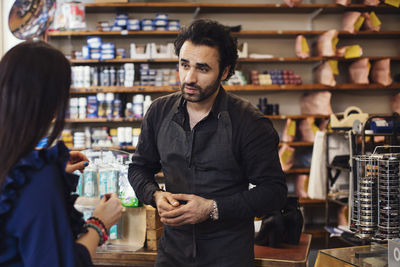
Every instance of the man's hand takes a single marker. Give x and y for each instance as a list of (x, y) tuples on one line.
[(196, 210), (165, 202), (77, 161)]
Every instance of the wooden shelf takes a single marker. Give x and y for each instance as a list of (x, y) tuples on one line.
[(237, 88), (297, 143), (294, 33), (101, 120), (123, 89), (245, 33), (129, 148), (309, 87), (242, 60), (231, 8), (110, 33), (298, 171), (296, 117), (309, 201)]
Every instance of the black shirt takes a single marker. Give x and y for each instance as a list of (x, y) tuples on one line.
[(255, 147)]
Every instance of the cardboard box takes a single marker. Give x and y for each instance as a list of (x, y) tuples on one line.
[(152, 218), (152, 238)]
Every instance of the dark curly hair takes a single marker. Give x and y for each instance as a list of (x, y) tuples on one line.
[(211, 33)]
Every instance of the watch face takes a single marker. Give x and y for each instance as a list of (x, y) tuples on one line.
[(30, 18)]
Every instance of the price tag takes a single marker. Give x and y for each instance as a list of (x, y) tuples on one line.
[(395, 3), (286, 155), (335, 40), (334, 66), (304, 45), (292, 128), (124, 32), (374, 19), (353, 51), (358, 23)]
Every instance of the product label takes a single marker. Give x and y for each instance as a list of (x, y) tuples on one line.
[(395, 3), (359, 22), (304, 45), (353, 51), (334, 66), (374, 19)]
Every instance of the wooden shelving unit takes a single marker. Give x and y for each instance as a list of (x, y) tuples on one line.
[(232, 8), (236, 88), (241, 60), (245, 33)]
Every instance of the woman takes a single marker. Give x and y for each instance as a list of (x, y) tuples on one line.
[(38, 224)]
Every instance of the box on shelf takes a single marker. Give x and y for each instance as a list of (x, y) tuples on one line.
[(154, 228)]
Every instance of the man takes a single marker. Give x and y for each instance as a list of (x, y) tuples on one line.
[(210, 145)]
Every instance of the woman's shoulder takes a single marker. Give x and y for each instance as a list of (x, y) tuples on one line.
[(33, 182)]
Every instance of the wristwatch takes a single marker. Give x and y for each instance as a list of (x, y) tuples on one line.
[(214, 212)]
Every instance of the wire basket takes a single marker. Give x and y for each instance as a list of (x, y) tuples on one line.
[(376, 202)]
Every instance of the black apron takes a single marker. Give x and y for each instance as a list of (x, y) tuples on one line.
[(202, 162)]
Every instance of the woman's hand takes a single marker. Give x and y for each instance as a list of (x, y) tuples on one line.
[(109, 210), (77, 161)]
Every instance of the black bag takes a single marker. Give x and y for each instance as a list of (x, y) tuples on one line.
[(284, 226)]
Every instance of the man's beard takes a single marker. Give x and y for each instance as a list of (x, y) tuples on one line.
[(203, 93)]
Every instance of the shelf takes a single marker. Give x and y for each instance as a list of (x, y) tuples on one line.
[(242, 60), (123, 89), (297, 143), (234, 88), (310, 87), (111, 33), (231, 8), (298, 171), (309, 201), (245, 33), (129, 148), (101, 120), (124, 60), (296, 117)]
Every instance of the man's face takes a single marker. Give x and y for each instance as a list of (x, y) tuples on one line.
[(198, 71)]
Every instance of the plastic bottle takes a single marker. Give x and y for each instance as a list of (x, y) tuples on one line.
[(146, 104), (82, 107), (109, 105), (138, 106), (128, 111), (116, 108), (101, 111)]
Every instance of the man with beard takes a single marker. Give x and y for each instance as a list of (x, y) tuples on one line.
[(210, 145)]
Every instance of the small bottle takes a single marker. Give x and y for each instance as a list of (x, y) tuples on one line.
[(94, 76), (106, 77), (112, 77), (121, 77), (109, 105), (146, 104), (138, 106), (101, 111), (128, 111), (82, 107)]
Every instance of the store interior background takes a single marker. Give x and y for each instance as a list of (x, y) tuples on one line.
[(370, 101)]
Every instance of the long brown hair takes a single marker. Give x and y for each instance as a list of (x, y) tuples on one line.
[(34, 87)]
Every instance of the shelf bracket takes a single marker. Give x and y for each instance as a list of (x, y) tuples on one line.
[(313, 15), (196, 12)]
